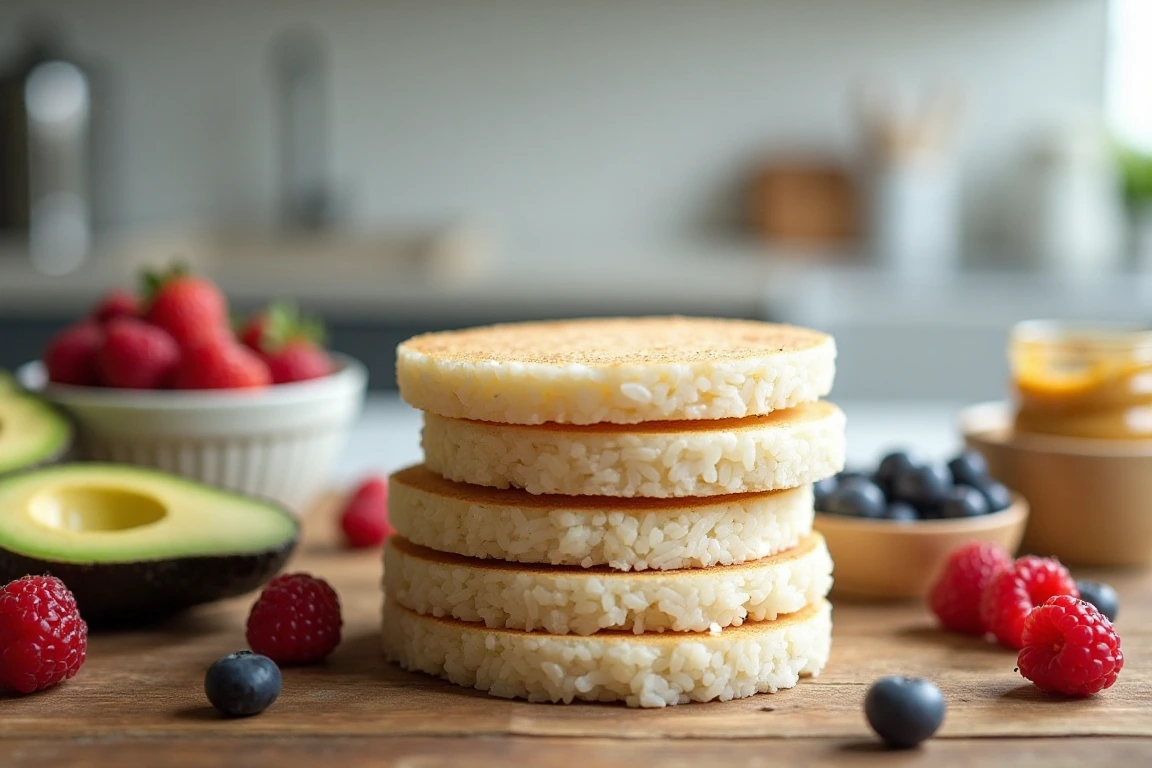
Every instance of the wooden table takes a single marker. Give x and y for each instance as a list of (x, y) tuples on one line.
[(139, 701)]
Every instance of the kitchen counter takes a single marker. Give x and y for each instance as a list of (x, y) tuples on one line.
[(379, 280), (139, 699)]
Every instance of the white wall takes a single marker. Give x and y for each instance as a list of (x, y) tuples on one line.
[(591, 122)]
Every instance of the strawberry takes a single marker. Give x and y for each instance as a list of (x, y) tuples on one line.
[(290, 343), (252, 331), (192, 309), (298, 360), (71, 355), (221, 363), (117, 303), (364, 520), (136, 355)]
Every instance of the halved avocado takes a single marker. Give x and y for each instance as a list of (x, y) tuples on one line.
[(32, 432), (136, 544)]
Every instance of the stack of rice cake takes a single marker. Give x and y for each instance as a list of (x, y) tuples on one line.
[(614, 510)]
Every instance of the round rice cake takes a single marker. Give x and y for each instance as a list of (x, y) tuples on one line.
[(582, 601), (648, 670), (617, 370), (623, 534), (782, 449)]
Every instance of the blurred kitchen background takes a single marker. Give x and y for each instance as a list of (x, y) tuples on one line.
[(911, 175)]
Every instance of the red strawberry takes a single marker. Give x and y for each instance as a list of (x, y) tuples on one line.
[(251, 332), (221, 363), (365, 516), (290, 343), (117, 303), (298, 360), (192, 309), (71, 355), (136, 355)]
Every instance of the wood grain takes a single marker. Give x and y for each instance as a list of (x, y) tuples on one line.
[(141, 689)]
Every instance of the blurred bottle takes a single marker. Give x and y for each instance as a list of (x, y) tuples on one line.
[(913, 198), (300, 71), (1070, 207), (45, 156)]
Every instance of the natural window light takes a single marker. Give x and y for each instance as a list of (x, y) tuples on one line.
[(1129, 84)]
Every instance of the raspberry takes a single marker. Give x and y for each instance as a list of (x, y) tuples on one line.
[(43, 640), (1070, 647), (296, 620), (955, 599), (1016, 590), (365, 517)]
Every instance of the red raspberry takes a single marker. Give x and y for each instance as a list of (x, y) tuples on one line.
[(955, 599), (365, 516), (117, 303), (1070, 647), (136, 355), (1016, 590), (71, 355), (43, 640), (296, 620)]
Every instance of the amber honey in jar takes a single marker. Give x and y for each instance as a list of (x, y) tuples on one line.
[(1085, 380)]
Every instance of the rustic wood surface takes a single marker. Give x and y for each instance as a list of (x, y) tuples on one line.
[(139, 700)]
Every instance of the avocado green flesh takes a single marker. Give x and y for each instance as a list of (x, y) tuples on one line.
[(135, 544), (31, 432)]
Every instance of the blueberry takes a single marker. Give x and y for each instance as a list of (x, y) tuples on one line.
[(964, 501), (857, 498), (1103, 596), (997, 495), (930, 510), (894, 464), (925, 484), (904, 711), (822, 489), (852, 475), (242, 683), (901, 511), (968, 468)]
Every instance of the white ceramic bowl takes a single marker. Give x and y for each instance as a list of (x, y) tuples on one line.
[(277, 443)]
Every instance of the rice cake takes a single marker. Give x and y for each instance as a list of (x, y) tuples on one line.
[(783, 449), (648, 670), (573, 600), (619, 370), (623, 534)]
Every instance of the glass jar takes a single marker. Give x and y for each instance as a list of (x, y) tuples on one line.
[(1085, 380)]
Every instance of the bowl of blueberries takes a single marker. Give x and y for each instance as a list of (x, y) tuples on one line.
[(890, 530)]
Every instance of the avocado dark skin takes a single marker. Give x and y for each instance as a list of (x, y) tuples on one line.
[(139, 593)]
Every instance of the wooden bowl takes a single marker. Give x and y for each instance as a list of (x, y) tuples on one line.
[(1091, 499), (888, 560)]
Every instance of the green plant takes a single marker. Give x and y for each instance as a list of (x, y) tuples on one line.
[(1135, 175)]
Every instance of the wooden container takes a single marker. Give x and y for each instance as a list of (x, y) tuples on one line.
[(804, 202), (888, 560), (1091, 499)]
